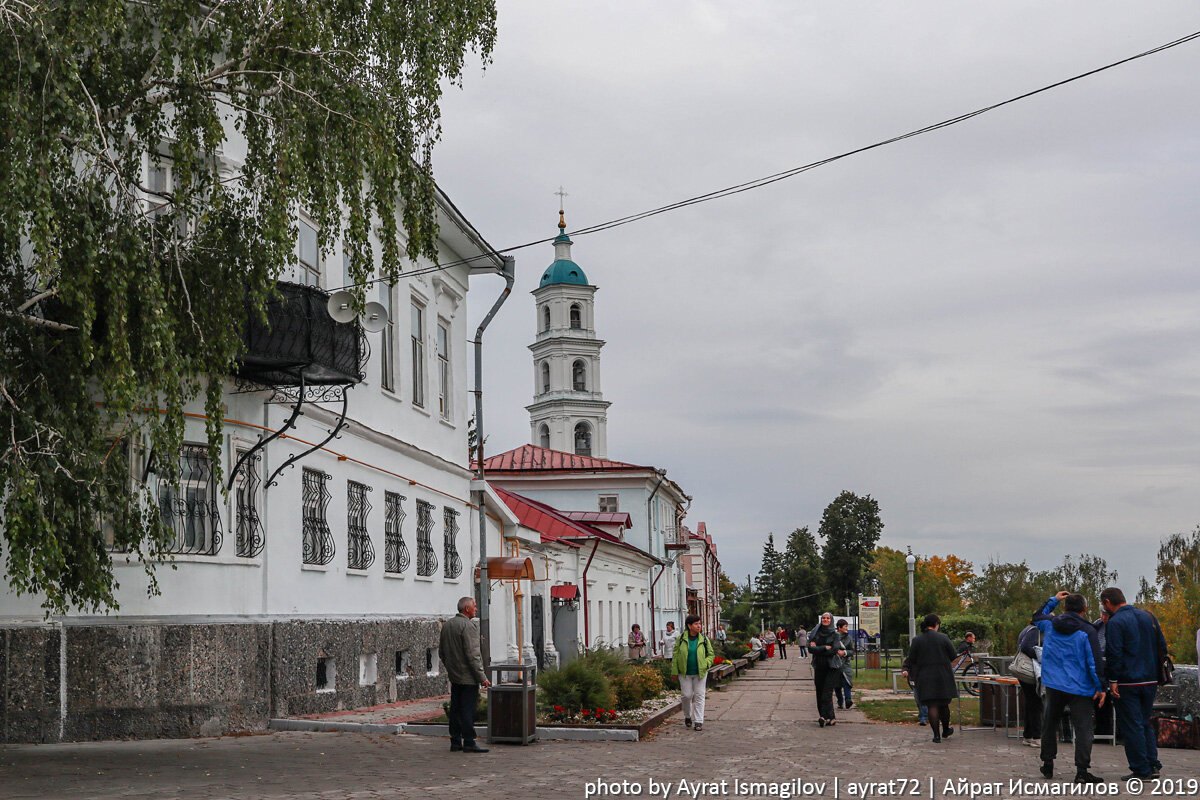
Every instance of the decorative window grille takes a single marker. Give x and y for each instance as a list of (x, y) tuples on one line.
[(318, 539), (360, 554), (427, 562), (395, 552), (250, 539), (450, 551), (189, 508)]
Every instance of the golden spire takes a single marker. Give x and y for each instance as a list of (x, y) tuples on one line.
[(562, 222)]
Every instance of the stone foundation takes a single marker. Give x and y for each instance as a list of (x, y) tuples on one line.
[(158, 680)]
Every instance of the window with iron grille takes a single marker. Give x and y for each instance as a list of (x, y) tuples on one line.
[(360, 554), (250, 538), (318, 539), (395, 552), (427, 562), (453, 564), (189, 507)]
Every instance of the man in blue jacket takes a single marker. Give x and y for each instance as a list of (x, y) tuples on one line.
[(1071, 675), (1134, 647)]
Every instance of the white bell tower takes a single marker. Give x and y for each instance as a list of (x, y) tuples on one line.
[(568, 412)]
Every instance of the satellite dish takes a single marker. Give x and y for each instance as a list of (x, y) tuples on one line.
[(375, 317), (341, 306)]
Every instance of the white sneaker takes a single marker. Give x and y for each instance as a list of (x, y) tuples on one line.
[(1032, 742)]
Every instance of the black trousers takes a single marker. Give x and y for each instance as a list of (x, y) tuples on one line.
[(1032, 711), (1082, 718), (825, 680), (463, 700)]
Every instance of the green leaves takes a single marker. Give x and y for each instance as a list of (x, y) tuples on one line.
[(257, 110)]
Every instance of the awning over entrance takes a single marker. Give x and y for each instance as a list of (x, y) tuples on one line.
[(500, 568), (567, 591)]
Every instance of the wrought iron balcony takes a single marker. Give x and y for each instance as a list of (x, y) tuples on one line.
[(676, 537), (300, 345)]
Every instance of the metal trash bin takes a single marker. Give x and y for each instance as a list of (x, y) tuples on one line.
[(872, 659), (512, 703)]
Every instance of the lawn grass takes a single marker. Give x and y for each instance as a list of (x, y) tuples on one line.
[(904, 710)]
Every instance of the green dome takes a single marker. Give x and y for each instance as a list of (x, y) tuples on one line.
[(563, 270)]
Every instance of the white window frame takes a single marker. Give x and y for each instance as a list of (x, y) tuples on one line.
[(545, 377), (387, 348), (417, 335), (609, 503), (308, 274), (445, 406)]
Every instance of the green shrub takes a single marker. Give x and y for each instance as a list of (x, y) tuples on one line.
[(606, 661), (639, 684), (576, 686), (663, 667), (729, 650), (480, 708)]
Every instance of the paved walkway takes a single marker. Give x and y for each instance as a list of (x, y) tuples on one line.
[(760, 728)]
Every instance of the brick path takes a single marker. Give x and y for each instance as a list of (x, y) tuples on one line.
[(758, 728)]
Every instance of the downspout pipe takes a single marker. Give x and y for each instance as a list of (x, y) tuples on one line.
[(653, 636), (485, 590), (662, 476), (587, 637)]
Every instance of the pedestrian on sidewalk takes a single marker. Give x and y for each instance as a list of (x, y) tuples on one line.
[(827, 666), (781, 638), (802, 641), (769, 641), (459, 651), (637, 642), (928, 662), (846, 680), (1071, 675), (1029, 642), (670, 635), (1135, 649), (693, 657)]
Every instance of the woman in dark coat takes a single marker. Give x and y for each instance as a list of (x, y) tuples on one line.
[(827, 658), (928, 663)]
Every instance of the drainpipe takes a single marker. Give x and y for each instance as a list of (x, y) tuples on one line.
[(653, 634), (485, 590), (587, 637)]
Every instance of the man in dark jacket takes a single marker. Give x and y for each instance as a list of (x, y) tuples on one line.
[(459, 651), (1134, 648), (1071, 675)]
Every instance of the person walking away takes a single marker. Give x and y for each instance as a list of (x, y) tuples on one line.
[(1071, 675), (458, 648), (846, 681), (929, 657), (1134, 651), (802, 641), (769, 641), (823, 645), (637, 642), (781, 639), (669, 636), (693, 657), (1030, 638)]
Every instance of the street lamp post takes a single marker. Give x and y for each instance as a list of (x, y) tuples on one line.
[(911, 561)]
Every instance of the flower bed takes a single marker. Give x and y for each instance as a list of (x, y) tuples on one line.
[(558, 716)]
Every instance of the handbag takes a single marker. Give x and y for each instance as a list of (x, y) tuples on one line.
[(1022, 668)]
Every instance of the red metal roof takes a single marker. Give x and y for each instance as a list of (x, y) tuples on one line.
[(567, 591), (540, 459), (554, 526), (600, 517)]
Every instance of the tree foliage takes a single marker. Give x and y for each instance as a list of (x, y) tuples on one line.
[(850, 527), (120, 293), (803, 584), (768, 586), (1175, 597), (938, 587)]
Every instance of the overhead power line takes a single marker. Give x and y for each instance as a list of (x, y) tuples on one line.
[(767, 180)]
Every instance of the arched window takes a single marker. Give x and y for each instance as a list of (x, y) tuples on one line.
[(579, 376), (545, 318), (576, 316), (583, 439), (544, 436), (545, 376)]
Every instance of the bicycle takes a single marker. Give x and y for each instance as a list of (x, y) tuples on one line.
[(968, 666)]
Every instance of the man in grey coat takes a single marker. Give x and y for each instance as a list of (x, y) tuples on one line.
[(459, 651)]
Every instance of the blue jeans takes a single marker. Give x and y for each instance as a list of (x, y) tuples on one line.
[(842, 693), (1133, 720)]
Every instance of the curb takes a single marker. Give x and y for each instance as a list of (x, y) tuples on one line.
[(321, 725)]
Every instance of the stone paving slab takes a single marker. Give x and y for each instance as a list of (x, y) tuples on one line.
[(751, 735)]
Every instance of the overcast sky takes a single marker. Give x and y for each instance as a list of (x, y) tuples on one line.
[(993, 329)]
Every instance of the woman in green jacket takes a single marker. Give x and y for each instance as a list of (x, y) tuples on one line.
[(693, 657)]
